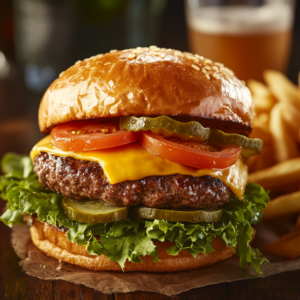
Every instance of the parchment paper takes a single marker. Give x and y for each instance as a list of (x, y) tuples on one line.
[(36, 263)]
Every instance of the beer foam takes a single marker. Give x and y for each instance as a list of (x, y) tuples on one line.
[(239, 19)]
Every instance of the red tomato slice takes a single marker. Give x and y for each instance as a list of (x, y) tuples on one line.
[(87, 136), (190, 156)]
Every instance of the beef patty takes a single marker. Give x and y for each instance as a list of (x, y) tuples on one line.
[(81, 179)]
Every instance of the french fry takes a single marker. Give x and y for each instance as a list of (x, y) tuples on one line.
[(278, 176), (283, 89), (262, 121), (285, 146), (262, 97), (291, 116), (287, 246), (265, 160), (261, 129), (284, 205), (297, 226)]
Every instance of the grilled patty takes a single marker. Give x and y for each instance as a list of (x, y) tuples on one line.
[(80, 179)]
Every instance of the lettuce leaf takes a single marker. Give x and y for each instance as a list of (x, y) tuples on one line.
[(131, 239)]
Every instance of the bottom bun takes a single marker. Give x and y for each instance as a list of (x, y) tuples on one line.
[(54, 242)]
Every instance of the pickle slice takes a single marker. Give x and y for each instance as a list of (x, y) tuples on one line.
[(93, 211), (167, 127), (249, 146), (177, 215)]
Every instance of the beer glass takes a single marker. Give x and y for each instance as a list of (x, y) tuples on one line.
[(247, 36)]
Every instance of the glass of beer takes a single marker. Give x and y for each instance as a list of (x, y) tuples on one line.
[(247, 36)]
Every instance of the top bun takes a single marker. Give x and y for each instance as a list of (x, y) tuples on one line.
[(147, 82)]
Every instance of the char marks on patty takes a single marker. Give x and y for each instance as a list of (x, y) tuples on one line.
[(81, 179)]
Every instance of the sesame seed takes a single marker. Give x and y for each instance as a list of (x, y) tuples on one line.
[(61, 74), (145, 49), (193, 58), (99, 55), (215, 68), (178, 53), (130, 56), (198, 56), (162, 55), (169, 50), (228, 71), (139, 48), (204, 71), (155, 53), (125, 50), (219, 64), (112, 51), (207, 68), (195, 67), (152, 47), (139, 51), (92, 57), (243, 82), (207, 62), (155, 50), (78, 62), (225, 76), (216, 76), (134, 51), (207, 77)]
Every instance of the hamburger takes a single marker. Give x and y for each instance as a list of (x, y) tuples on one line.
[(143, 167)]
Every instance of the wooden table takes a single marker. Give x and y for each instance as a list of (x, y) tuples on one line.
[(18, 133)]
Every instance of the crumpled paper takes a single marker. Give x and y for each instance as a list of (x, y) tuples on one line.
[(38, 264)]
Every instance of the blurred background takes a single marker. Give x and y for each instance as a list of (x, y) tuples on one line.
[(41, 38)]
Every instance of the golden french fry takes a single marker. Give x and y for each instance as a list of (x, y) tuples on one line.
[(287, 246), (262, 132), (283, 89), (283, 205), (285, 146), (265, 160), (262, 97), (278, 176), (291, 116), (262, 121), (297, 226)]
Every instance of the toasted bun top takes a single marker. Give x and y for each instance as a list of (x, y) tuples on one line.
[(146, 82)]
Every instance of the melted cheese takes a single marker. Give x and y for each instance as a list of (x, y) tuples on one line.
[(133, 162)]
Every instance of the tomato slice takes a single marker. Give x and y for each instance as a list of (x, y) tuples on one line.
[(190, 156), (87, 136)]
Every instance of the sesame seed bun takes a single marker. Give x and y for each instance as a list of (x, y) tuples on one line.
[(148, 82), (55, 244)]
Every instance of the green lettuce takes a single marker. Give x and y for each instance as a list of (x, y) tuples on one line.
[(131, 239)]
